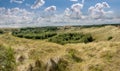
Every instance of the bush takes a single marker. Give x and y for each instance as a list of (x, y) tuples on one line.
[(109, 38), (35, 33), (71, 38), (87, 38), (50, 32), (7, 59), (1, 32), (28, 36)]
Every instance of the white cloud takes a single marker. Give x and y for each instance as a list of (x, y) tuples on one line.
[(17, 1), (2, 10), (72, 15), (50, 9), (14, 16), (67, 12), (77, 5), (76, 10), (38, 4), (98, 12)]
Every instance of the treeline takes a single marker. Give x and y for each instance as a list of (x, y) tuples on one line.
[(98, 25)]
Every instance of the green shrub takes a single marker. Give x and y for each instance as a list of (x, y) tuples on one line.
[(35, 33), (28, 36), (87, 38), (50, 32), (7, 59), (1, 31), (109, 38), (71, 38)]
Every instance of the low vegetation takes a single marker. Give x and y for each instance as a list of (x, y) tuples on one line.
[(1, 31), (7, 59), (35, 33), (52, 35), (71, 38), (109, 38)]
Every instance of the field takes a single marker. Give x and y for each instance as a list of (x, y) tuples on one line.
[(67, 48)]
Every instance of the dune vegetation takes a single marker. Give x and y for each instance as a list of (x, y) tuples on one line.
[(65, 48)]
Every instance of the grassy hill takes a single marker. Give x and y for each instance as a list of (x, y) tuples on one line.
[(40, 54)]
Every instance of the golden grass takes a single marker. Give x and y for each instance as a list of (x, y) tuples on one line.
[(100, 55)]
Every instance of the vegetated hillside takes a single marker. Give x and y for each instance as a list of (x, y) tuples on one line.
[(101, 54)]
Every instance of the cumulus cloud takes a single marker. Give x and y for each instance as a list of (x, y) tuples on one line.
[(17, 11), (17, 1), (67, 12), (49, 13), (50, 9), (76, 10), (37, 4), (14, 16), (2, 10), (72, 15), (98, 11), (77, 5)]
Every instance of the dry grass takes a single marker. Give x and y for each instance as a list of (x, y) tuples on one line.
[(100, 55)]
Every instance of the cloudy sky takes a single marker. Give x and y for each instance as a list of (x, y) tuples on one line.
[(23, 13)]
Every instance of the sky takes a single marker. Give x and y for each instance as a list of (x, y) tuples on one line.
[(24, 13)]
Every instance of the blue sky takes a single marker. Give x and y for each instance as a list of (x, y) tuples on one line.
[(59, 9), (61, 4)]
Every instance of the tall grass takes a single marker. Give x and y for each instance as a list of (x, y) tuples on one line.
[(7, 59)]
